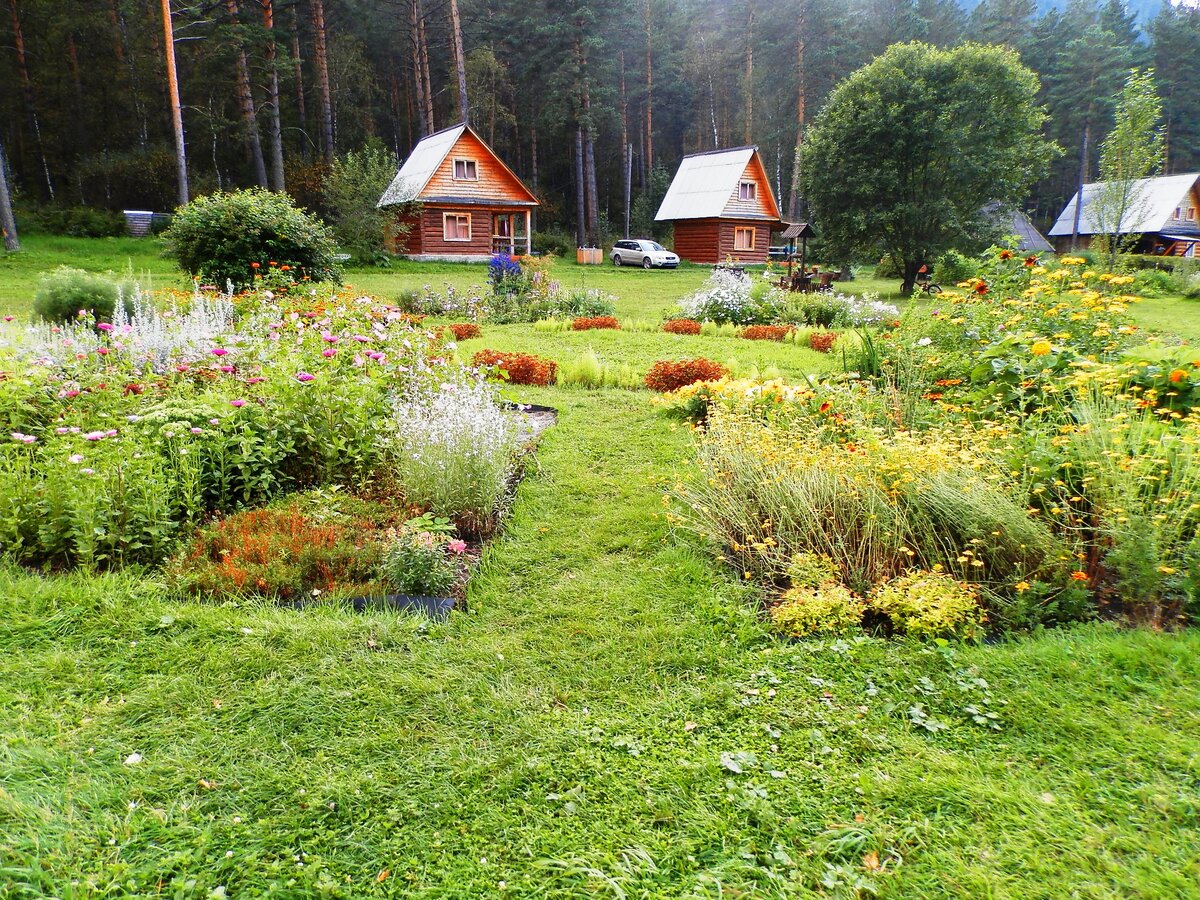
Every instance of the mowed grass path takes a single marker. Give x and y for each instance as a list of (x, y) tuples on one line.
[(574, 732)]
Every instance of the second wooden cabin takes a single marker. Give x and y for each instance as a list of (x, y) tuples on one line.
[(722, 207)]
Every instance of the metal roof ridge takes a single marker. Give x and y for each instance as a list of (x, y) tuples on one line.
[(753, 147)]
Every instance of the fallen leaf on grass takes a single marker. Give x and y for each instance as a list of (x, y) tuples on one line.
[(383, 876), (689, 726), (871, 862), (133, 758), (207, 785), (216, 703)]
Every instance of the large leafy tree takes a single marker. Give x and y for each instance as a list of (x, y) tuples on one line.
[(912, 146)]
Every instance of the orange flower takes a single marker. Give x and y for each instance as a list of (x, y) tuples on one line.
[(981, 287), (1177, 376), (1031, 261), (1079, 576), (1006, 254), (255, 265), (285, 268)]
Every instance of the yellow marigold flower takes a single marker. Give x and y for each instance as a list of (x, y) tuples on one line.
[(1040, 348), (1022, 587)]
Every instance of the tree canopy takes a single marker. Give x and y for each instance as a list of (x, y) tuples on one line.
[(912, 146)]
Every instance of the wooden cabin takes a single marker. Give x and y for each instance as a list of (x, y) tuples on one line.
[(1164, 214), (722, 207), (459, 201)]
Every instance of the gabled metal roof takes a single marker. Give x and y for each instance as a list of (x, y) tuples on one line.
[(1015, 222), (798, 230), (704, 184), (1151, 211), (425, 159)]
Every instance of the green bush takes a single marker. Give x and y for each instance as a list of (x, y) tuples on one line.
[(829, 609), (224, 237), (61, 294), (76, 221), (558, 243), (952, 267), (930, 604), (354, 186), (887, 268)]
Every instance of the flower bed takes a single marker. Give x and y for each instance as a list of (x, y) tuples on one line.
[(767, 332), (465, 331), (518, 368), (822, 341), (681, 326), (587, 323), (670, 375)]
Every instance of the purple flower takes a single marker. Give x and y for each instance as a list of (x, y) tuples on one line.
[(330, 338), (237, 404), (197, 431), (328, 352), (112, 432), (305, 376), (62, 430), (75, 458), (214, 421), (94, 436), (23, 438)]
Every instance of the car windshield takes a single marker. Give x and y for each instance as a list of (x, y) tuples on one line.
[(652, 245)]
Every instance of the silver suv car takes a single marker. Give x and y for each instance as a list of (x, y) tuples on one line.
[(647, 254)]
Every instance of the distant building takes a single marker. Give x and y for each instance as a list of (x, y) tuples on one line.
[(1013, 222), (1163, 215), (722, 207), (470, 204)]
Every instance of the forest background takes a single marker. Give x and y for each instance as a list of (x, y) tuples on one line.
[(273, 92)]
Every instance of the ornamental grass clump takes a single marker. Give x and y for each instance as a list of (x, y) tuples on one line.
[(452, 451)]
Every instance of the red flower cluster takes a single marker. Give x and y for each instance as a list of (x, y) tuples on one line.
[(519, 368), (464, 331), (822, 341), (682, 326), (667, 375), (587, 323), (767, 332)]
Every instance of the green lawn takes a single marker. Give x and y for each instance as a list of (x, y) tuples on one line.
[(576, 730)]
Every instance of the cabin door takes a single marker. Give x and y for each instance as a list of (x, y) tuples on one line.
[(508, 233)]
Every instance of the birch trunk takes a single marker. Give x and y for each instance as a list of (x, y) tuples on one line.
[(8, 225)]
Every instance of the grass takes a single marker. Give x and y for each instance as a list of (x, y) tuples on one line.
[(576, 731)]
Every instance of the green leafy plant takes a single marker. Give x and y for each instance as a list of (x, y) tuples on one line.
[(65, 292), (420, 561), (229, 237), (828, 609), (930, 604)]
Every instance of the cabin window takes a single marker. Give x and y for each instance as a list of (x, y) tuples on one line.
[(743, 239), (1191, 214), (747, 190), (466, 170), (1176, 216), (456, 226)]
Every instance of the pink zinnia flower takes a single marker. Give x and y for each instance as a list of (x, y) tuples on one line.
[(104, 326), (182, 368), (112, 432), (88, 471), (237, 404), (63, 430), (456, 546), (305, 376), (8, 318), (197, 431), (103, 351), (258, 379), (330, 338), (220, 351), (328, 352), (227, 369)]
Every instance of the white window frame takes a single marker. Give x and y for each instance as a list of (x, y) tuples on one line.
[(741, 229), (747, 195), (469, 166), (446, 217)]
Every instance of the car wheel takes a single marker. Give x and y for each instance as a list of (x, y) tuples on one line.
[(646, 264), (617, 260)]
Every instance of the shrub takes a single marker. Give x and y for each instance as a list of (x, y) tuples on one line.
[(353, 188), (822, 341), (464, 331), (226, 237), (281, 553), (554, 243), (812, 570), (667, 375), (681, 326), (830, 609), (587, 323), (930, 604), (766, 332), (729, 296), (63, 293), (519, 368), (421, 562), (952, 267)]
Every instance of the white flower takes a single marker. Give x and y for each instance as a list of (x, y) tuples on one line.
[(924, 342)]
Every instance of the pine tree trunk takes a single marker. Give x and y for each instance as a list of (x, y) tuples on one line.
[(533, 170), (245, 97), (34, 123), (460, 62), (581, 200), (794, 201), (321, 58), (424, 48), (8, 225), (649, 135), (589, 154), (414, 33), (298, 74), (274, 129), (176, 107), (626, 149), (1083, 172), (749, 127), (124, 57)]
